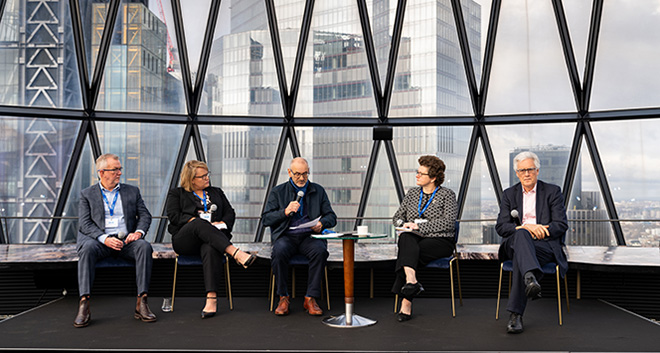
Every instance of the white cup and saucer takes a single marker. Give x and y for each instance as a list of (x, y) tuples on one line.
[(362, 231)]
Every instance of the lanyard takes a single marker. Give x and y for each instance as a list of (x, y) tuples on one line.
[(419, 206), (114, 202), (203, 200)]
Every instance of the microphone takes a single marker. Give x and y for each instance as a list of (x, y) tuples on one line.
[(399, 222), (516, 218), (300, 195), (213, 208)]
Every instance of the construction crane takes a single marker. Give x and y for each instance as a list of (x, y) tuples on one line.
[(170, 54)]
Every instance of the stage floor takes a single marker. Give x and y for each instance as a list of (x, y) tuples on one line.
[(591, 326)]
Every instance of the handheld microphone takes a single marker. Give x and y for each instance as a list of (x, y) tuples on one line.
[(516, 218), (213, 208), (121, 235), (300, 195)]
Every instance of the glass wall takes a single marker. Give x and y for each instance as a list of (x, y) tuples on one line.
[(469, 92)]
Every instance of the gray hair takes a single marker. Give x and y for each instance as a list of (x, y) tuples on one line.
[(526, 155), (102, 161)]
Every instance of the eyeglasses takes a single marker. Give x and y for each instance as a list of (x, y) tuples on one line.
[(526, 170), (205, 176), (298, 175), (420, 173), (115, 170)]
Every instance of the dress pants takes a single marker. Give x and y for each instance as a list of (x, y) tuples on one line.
[(315, 250), (415, 251), (201, 238), (92, 251), (527, 254)]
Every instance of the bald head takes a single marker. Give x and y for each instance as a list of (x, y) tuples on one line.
[(299, 171)]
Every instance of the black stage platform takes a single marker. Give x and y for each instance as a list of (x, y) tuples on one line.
[(591, 326)]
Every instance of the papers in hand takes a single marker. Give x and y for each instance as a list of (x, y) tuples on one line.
[(400, 230), (221, 226), (309, 224)]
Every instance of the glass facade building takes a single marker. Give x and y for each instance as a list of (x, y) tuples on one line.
[(247, 85)]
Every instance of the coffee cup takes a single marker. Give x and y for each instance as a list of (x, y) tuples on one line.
[(362, 230)]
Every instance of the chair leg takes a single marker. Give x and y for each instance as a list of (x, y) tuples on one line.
[(458, 277), (579, 287), (396, 303), (568, 306), (271, 289), (451, 283), (327, 287), (176, 265), (371, 284), (558, 295), (499, 291), (293, 282), (228, 284)]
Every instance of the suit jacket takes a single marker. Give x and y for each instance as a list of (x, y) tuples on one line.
[(550, 210), (183, 205), (315, 200), (91, 211)]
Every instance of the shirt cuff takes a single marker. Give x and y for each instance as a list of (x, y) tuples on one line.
[(141, 232), (102, 238)]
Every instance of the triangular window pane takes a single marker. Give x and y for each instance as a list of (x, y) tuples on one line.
[(335, 79), (142, 71), (147, 155), (480, 204), (476, 15), (586, 207), (195, 15), (383, 201), (551, 142), (578, 16), (630, 163), (529, 70), (382, 15), (626, 67), (289, 21), (85, 176), (39, 67), (430, 77), (240, 159), (93, 17), (241, 78), (31, 182)]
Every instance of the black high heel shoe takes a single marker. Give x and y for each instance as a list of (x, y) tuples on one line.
[(208, 314), (410, 290), (247, 262)]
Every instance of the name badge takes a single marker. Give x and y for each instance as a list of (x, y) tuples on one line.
[(113, 222), (205, 216), (419, 221)]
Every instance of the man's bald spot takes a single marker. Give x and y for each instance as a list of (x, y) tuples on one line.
[(300, 162)]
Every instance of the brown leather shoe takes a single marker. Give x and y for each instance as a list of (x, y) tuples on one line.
[(142, 311), (311, 307), (283, 306), (84, 314)]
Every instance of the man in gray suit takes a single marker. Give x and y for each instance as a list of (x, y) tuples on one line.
[(112, 222)]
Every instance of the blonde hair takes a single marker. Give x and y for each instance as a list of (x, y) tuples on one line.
[(189, 171)]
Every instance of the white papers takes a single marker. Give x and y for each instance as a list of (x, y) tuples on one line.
[(400, 230), (221, 226), (309, 224)]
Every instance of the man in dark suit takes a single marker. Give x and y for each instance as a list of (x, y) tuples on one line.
[(112, 222), (285, 210), (533, 236)]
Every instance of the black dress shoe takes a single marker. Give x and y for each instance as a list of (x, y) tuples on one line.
[(532, 287), (410, 290), (401, 317), (515, 324), (208, 314)]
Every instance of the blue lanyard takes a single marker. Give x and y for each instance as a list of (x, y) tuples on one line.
[(114, 202), (203, 200), (419, 206)]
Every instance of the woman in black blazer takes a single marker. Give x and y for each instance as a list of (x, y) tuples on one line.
[(201, 219)]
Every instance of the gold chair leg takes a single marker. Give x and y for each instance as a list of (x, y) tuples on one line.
[(293, 282), (499, 291), (228, 283), (451, 282), (558, 295), (579, 287), (176, 264), (396, 303), (327, 287), (371, 284), (458, 277), (271, 291)]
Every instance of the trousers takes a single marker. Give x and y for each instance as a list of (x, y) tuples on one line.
[(315, 250), (415, 251)]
